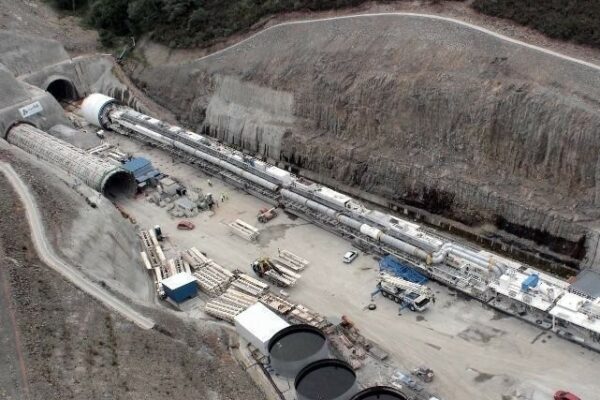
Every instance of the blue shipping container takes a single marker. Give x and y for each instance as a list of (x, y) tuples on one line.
[(530, 282), (180, 287)]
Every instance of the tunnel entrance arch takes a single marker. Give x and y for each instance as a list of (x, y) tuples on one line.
[(62, 90)]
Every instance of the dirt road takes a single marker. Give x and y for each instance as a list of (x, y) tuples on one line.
[(410, 15), (49, 257)]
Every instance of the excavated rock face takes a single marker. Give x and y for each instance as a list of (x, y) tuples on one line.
[(418, 111)]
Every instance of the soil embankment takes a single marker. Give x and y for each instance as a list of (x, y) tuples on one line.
[(414, 111), (65, 345)]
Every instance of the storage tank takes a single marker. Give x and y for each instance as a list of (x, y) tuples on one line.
[(326, 380), (296, 346), (380, 393)]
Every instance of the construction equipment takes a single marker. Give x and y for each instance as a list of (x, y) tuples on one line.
[(274, 273), (266, 214), (423, 373), (408, 294), (185, 226), (158, 233)]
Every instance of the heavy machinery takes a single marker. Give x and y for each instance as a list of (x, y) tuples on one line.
[(274, 273), (424, 373), (266, 214), (408, 294)]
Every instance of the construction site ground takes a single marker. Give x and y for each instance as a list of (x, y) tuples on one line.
[(59, 343), (475, 351)]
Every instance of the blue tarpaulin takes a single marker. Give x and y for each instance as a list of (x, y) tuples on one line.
[(141, 168), (393, 266)]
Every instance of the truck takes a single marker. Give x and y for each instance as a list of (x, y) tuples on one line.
[(274, 273), (408, 294), (265, 215)]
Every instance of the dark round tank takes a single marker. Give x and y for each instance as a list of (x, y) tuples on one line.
[(380, 393), (296, 346), (326, 380)]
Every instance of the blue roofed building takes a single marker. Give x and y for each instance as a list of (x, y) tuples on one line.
[(180, 287), (142, 170)]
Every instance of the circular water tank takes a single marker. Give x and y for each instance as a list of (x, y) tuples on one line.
[(296, 346), (380, 393), (93, 108), (326, 380)]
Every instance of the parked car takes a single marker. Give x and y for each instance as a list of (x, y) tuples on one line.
[(562, 395), (350, 256)]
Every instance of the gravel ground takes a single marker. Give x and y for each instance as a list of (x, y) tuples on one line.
[(475, 351), (39, 19), (99, 240), (74, 348)]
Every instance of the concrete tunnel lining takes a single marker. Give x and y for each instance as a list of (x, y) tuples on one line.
[(118, 183), (62, 89), (95, 172)]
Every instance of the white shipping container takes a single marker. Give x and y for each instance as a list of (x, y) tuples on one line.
[(257, 325)]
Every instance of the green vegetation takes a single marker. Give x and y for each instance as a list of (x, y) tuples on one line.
[(576, 20), (191, 23), (185, 23)]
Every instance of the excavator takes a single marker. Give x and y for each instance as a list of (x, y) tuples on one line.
[(274, 273)]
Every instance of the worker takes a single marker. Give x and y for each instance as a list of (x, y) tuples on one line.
[(209, 183), (222, 198)]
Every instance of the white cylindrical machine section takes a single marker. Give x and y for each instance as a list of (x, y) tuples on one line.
[(296, 346), (93, 107), (313, 205), (329, 379), (92, 170), (404, 247), (195, 152), (350, 222), (323, 209), (371, 232), (296, 198)]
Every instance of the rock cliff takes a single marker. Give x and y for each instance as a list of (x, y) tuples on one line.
[(417, 112)]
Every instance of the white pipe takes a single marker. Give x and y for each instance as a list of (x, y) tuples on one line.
[(350, 222), (405, 247), (479, 260), (190, 150), (361, 227)]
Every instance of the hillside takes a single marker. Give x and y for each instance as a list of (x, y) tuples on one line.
[(419, 111), (185, 23), (574, 20)]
